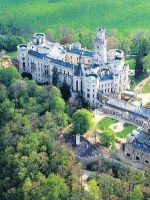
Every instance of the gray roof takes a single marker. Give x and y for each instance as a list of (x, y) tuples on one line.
[(55, 61), (106, 77), (62, 63), (144, 112), (36, 54), (80, 52), (84, 149), (142, 142)]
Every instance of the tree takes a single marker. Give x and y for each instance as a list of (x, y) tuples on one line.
[(93, 190), (4, 58), (137, 194), (31, 106), (82, 121), (138, 38), (139, 58), (125, 44), (54, 92), (55, 76), (9, 76), (146, 62), (6, 112), (3, 93), (18, 89), (65, 90), (57, 104), (53, 188), (61, 118), (106, 184), (108, 138)]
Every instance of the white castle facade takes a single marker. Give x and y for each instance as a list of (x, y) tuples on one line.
[(86, 72)]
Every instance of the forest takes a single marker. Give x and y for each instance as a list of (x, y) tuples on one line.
[(34, 164)]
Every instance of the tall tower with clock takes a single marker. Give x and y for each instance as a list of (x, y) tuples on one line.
[(100, 48)]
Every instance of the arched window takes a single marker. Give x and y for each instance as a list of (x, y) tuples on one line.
[(128, 154), (77, 86), (146, 161), (137, 158)]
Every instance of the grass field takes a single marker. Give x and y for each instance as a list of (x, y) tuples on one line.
[(128, 128), (105, 123), (146, 88), (41, 15), (12, 54)]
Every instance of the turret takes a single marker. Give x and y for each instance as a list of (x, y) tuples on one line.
[(39, 38), (147, 127), (22, 57), (100, 48)]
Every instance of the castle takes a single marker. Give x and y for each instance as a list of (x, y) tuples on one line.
[(137, 147), (86, 72)]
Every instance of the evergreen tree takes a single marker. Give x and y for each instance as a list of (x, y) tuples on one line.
[(55, 77), (65, 90)]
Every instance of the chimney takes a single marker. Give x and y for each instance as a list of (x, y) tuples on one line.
[(77, 139)]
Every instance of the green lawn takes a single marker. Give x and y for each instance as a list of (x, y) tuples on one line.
[(12, 54), (40, 15), (105, 123), (130, 62), (146, 88), (128, 128)]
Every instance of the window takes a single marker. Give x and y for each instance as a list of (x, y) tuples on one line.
[(146, 161), (81, 86), (77, 86), (137, 158), (128, 155), (93, 96), (88, 95)]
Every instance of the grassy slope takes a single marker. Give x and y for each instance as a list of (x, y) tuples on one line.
[(41, 15)]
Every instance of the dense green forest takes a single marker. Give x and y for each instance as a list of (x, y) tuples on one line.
[(34, 164)]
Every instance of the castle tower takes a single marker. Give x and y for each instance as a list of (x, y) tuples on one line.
[(100, 48), (39, 38), (22, 57)]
